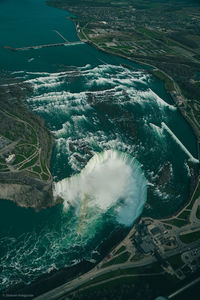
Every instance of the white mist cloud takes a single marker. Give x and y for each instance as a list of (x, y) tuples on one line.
[(111, 179)]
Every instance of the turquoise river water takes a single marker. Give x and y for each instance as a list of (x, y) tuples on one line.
[(115, 129)]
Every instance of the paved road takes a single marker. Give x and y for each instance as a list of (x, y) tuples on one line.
[(193, 218), (65, 288), (97, 271), (69, 286), (184, 288), (17, 167)]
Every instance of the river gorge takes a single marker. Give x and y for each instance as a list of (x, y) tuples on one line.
[(121, 146)]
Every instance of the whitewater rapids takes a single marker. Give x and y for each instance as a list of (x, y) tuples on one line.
[(111, 180)]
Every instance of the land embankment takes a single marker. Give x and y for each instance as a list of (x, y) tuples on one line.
[(25, 149)]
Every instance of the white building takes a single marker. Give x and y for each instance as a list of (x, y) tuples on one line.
[(10, 158)]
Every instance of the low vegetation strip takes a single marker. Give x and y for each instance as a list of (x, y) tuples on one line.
[(168, 83), (118, 260), (121, 249), (184, 215), (197, 193), (29, 163), (175, 261), (198, 212), (190, 237), (195, 196), (146, 270), (176, 222), (124, 287)]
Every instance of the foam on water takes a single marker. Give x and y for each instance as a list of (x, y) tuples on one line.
[(110, 189), (191, 157), (110, 179), (101, 117), (157, 129), (188, 169)]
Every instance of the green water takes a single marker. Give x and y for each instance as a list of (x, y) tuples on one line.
[(92, 104)]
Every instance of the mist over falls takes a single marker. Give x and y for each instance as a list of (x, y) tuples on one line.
[(115, 156), (110, 180), (92, 109), (118, 137)]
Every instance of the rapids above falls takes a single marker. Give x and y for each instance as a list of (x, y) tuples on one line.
[(121, 146)]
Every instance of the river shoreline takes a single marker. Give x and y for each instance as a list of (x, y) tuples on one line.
[(59, 272), (19, 184), (194, 129), (193, 186)]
